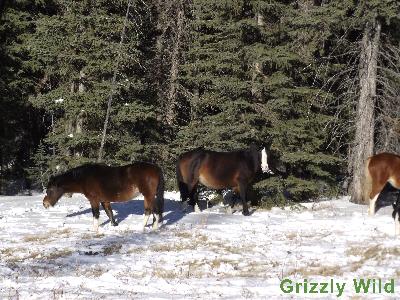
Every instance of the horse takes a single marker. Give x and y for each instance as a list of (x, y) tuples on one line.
[(104, 184), (382, 184), (219, 170)]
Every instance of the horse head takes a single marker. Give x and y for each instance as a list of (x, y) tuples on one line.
[(264, 162), (270, 162), (53, 193), (260, 158)]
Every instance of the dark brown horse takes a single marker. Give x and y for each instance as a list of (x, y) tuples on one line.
[(219, 170), (104, 184)]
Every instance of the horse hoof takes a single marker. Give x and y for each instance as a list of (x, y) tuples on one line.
[(246, 213), (114, 224)]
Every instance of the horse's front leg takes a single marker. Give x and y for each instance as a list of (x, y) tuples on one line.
[(243, 197), (109, 212), (96, 214), (194, 199)]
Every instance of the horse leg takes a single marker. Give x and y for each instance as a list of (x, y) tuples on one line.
[(183, 190), (375, 191), (109, 212), (194, 198), (396, 222), (96, 214), (148, 210), (243, 192)]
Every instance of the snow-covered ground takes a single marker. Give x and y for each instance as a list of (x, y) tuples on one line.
[(54, 254)]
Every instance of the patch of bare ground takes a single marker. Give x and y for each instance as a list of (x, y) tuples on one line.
[(375, 253)]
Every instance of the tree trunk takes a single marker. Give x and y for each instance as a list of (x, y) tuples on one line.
[(365, 119), (171, 103), (257, 66), (114, 78)]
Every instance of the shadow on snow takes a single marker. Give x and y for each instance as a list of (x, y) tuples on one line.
[(173, 211)]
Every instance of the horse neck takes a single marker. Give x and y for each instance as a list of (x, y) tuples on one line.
[(256, 160), (69, 184)]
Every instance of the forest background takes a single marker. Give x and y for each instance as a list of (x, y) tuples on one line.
[(316, 81)]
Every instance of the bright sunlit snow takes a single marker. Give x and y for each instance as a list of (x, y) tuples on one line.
[(54, 254)]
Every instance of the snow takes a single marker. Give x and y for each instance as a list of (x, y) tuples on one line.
[(59, 100), (55, 254)]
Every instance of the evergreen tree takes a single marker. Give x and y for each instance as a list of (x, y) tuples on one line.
[(218, 114), (77, 48), (20, 124)]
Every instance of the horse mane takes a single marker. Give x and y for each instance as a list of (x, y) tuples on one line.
[(255, 156), (74, 173)]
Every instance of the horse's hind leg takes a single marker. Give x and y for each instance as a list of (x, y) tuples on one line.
[(148, 210), (109, 212), (96, 214)]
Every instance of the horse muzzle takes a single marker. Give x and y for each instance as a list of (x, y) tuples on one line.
[(267, 170), (46, 204)]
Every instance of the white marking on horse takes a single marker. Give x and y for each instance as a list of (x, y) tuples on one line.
[(264, 163), (95, 224), (155, 224), (371, 209), (393, 182), (396, 223), (145, 220)]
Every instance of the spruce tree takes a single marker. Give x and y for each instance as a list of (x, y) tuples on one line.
[(77, 48)]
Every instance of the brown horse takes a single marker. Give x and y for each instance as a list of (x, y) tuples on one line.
[(104, 184), (382, 176), (219, 170)]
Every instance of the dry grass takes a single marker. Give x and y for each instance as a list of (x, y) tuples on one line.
[(58, 254), (375, 253), (51, 234), (18, 255), (166, 274), (95, 272), (291, 235), (112, 249), (315, 269), (89, 236)]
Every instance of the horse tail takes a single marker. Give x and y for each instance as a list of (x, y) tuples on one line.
[(366, 185), (159, 207), (183, 189)]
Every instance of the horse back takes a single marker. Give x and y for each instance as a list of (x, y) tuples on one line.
[(384, 167), (216, 169), (122, 183), (229, 164)]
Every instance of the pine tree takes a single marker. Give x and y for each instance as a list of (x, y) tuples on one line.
[(20, 124), (218, 114), (77, 48)]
